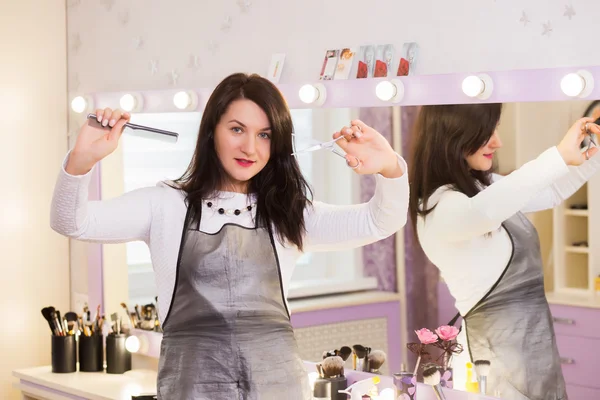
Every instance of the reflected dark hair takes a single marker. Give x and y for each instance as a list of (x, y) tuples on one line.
[(444, 135), (281, 190)]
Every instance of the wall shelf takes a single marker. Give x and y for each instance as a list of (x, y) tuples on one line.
[(577, 213)]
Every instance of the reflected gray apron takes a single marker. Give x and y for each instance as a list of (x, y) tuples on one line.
[(227, 334), (512, 326)]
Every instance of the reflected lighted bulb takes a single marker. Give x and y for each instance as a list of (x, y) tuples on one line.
[(473, 86), (128, 102), (480, 86), (390, 90), (312, 378), (79, 104), (184, 100), (387, 394), (574, 84), (132, 344), (310, 94)]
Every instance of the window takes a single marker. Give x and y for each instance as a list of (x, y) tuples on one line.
[(148, 161)]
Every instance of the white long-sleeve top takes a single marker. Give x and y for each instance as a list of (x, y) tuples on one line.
[(155, 215), (453, 234)]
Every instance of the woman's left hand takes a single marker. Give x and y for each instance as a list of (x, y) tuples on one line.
[(374, 152)]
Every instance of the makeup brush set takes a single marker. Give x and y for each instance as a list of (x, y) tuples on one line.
[(331, 376), (144, 317), (80, 337), (70, 329)]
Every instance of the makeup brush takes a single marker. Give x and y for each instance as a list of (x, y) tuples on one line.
[(47, 313), (376, 360), (129, 315), (345, 352), (114, 317), (366, 367), (330, 353), (333, 367), (319, 370), (156, 306), (432, 377), (482, 368), (137, 312), (56, 321), (360, 352), (71, 319)]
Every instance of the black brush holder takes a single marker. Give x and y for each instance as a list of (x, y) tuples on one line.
[(118, 358), (91, 353), (64, 354), (328, 388)]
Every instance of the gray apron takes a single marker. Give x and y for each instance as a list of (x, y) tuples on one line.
[(227, 334), (512, 326)]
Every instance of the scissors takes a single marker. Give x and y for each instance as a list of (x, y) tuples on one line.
[(330, 146), (323, 145), (591, 138)]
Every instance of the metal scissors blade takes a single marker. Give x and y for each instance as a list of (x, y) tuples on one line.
[(324, 145)]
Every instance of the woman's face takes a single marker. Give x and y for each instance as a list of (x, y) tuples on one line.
[(243, 143), (482, 159)]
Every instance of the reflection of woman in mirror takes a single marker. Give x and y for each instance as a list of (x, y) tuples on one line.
[(225, 237), (470, 224)]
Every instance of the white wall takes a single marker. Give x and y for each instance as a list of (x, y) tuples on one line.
[(464, 35), (33, 126)]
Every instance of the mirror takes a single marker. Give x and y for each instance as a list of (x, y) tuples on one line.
[(147, 161), (526, 130)]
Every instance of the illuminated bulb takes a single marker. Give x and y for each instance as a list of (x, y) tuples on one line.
[(577, 84), (478, 86), (132, 344), (390, 90), (312, 94), (79, 104), (312, 378), (185, 100), (129, 102), (387, 394)]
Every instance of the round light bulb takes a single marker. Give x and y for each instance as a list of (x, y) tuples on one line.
[(387, 394), (128, 102), (79, 104), (473, 86), (182, 100), (312, 378), (572, 84), (308, 94), (132, 344), (385, 90)]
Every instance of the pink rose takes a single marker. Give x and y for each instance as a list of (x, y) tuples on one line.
[(447, 332), (426, 336)]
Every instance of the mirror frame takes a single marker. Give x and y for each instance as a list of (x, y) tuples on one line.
[(530, 85)]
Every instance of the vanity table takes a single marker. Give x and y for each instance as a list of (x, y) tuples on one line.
[(41, 383)]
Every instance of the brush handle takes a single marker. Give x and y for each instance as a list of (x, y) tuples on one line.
[(171, 135), (439, 392)]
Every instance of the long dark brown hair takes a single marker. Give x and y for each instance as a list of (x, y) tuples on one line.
[(444, 136), (282, 192)]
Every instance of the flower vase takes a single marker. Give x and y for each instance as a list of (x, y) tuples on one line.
[(447, 371), (406, 386)]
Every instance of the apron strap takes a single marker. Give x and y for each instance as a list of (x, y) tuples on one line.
[(453, 320)]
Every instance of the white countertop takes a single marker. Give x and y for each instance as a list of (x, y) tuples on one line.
[(574, 299), (85, 385)]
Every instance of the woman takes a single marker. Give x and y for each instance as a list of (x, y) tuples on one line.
[(224, 238), (470, 225)]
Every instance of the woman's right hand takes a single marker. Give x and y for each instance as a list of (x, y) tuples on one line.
[(570, 146), (96, 140)]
